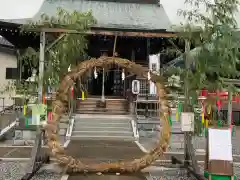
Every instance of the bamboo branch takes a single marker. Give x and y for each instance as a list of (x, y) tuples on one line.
[(175, 46)]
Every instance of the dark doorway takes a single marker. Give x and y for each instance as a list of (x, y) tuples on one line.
[(108, 84), (96, 85), (109, 81)]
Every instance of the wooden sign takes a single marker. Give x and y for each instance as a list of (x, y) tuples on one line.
[(220, 159)]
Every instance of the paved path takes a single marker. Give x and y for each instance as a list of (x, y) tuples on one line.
[(108, 150), (93, 151)]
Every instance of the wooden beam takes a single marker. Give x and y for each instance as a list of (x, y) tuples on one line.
[(109, 33), (114, 46), (55, 42)]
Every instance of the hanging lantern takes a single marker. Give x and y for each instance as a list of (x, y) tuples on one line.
[(123, 75), (95, 73), (149, 76)]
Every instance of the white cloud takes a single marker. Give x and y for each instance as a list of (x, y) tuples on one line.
[(19, 9)]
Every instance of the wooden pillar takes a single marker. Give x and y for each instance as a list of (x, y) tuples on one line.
[(133, 55), (147, 84)]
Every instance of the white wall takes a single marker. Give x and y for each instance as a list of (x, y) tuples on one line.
[(7, 60)]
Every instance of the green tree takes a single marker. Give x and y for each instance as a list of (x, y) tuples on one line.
[(213, 33), (66, 51), (217, 42)]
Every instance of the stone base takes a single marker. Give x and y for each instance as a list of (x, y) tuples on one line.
[(101, 104), (22, 142)]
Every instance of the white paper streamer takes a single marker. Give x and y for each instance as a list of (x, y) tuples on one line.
[(123, 75), (95, 73)]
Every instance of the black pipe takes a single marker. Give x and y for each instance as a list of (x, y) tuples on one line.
[(189, 169), (42, 160)]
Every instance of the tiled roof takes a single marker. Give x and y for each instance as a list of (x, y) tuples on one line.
[(110, 14), (5, 42)]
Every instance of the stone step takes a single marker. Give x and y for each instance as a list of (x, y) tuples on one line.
[(102, 116), (95, 109), (101, 120), (102, 133), (101, 128), (108, 105), (102, 124), (102, 112), (102, 137)]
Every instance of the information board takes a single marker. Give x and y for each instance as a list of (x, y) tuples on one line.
[(220, 144)]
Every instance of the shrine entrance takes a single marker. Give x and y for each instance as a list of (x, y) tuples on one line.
[(113, 84), (59, 106)]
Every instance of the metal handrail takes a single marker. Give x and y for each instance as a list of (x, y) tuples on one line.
[(10, 122), (71, 107)]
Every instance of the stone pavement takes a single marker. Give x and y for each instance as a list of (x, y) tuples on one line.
[(15, 170)]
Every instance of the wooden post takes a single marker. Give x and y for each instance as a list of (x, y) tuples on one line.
[(147, 88), (230, 94), (114, 45), (133, 55), (188, 146)]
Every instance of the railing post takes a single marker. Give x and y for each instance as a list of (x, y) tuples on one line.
[(103, 87)]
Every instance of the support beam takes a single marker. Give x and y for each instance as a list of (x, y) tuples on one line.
[(114, 45), (175, 46), (41, 66), (108, 32), (38, 140), (189, 153), (148, 84), (229, 120), (55, 42)]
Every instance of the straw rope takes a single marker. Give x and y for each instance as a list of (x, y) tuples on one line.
[(75, 165)]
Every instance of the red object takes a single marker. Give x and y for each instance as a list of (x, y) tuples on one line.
[(219, 104), (72, 92), (44, 100), (49, 116), (222, 95), (204, 92)]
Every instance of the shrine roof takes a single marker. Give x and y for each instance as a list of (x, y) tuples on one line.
[(115, 14)]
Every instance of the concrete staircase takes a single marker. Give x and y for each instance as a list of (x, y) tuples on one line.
[(113, 106), (102, 127)]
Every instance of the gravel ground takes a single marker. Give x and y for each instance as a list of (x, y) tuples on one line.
[(181, 174), (15, 171)]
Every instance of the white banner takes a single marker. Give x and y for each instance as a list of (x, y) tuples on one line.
[(154, 67)]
